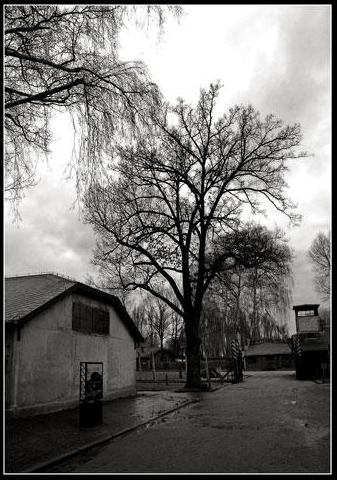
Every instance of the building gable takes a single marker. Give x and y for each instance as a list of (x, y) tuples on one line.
[(27, 296)]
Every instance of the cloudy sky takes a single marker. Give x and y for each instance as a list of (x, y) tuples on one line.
[(275, 57)]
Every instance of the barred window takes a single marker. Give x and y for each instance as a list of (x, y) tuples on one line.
[(90, 320), (306, 313)]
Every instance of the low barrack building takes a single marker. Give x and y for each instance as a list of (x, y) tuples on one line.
[(269, 356), (52, 324), (163, 359)]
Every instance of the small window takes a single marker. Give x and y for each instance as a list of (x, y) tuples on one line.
[(90, 320)]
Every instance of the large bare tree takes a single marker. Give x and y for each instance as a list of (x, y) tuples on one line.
[(319, 255), (176, 191), (64, 58)]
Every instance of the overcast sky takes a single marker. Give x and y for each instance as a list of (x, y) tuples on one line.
[(276, 58)]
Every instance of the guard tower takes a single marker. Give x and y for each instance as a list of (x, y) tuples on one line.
[(311, 344), (307, 319)]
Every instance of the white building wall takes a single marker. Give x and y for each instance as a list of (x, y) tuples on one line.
[(49, 353)]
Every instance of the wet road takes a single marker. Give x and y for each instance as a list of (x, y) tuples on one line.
[(270, 423)]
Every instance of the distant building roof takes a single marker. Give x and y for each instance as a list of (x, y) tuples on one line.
[(268, 348), (27, 295)]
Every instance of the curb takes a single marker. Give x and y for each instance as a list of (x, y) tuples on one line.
[(38, 468)]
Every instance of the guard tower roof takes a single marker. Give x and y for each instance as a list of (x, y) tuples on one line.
[(307, 306)]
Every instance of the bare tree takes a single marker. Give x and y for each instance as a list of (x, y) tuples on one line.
[(160, 318), (319, 255), (153, 319), (145, 316), (140, 318), (253, 299), (177, 190), (176, 329), (324, 314), (65, 58), (212, 326), (269, 284)]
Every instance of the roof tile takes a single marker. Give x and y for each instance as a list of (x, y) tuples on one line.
[(25, 294)]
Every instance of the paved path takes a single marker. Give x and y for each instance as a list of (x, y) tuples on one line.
[(271, 423), (33, 442)]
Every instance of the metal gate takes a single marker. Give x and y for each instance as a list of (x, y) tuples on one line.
[(91, 393)]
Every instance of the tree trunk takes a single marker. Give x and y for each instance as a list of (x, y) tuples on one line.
[(161, 348), (193, 355), (255, 333), (237, 312), (223, 324), (153, 363), (207, 371), (139, 365)]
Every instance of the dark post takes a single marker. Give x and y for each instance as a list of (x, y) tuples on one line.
[(91, 393)]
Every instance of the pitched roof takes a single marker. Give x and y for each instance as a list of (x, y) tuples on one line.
[(27, 295), (306, 306), (268, 348)]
